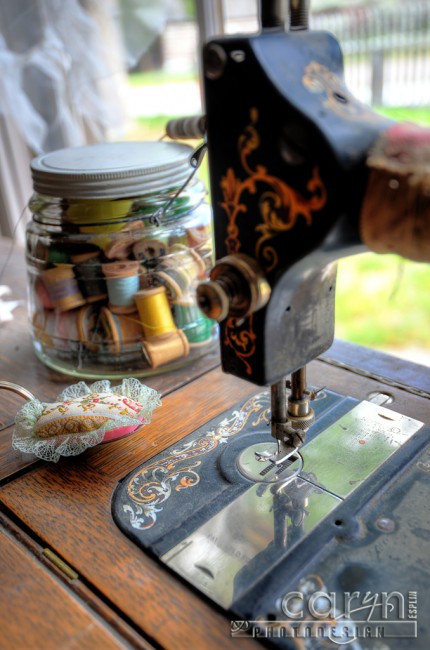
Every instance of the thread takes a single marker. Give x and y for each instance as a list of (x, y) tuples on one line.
[(94, 211), (154, 312), (165, 348), (120, 329), (56, 329), (122, 279), (196, 327), (170, 283), (90, 281), (62, 287), (41, 293), (187, 259), (87, 320)]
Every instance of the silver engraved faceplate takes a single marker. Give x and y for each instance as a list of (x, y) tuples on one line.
[(220, 558)]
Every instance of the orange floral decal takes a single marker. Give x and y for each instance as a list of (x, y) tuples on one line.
[(280, 205), (241, 339)]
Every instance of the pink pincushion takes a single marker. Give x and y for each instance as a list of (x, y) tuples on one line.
[(83, 417)]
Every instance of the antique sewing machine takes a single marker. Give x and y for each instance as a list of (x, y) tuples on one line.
[(256, 505)]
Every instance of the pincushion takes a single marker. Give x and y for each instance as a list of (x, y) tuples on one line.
[(82, 417)]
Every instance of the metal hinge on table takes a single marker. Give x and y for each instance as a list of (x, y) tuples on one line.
[(60, 564), (371, 375)]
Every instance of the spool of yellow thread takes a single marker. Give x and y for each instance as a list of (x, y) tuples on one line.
[(154, 312)]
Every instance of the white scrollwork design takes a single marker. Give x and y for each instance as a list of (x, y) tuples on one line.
[(155, 483)]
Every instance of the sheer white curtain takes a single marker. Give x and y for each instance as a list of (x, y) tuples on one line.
[(62, 70)]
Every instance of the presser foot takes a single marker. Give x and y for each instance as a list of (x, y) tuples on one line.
[(270, 462)]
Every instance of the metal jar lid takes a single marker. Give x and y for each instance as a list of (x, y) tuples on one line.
[(112, 170)]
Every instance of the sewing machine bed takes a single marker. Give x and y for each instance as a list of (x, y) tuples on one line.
[(246, 544)]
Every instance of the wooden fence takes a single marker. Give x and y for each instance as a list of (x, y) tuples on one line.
[(386, 50)]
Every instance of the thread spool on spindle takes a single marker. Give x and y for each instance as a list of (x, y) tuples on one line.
[(62, 287), (122, 279), (154, 312)]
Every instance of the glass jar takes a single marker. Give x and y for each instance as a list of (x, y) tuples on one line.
[(119, 238)]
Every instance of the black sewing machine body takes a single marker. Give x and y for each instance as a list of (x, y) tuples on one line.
[(287, 145)]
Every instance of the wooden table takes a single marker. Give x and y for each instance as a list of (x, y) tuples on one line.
[(69, 577)]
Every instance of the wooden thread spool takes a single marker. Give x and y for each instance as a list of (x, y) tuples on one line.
[(120, 329), (42, 294), (91, 282), (165, 348), (154, 312), (122, 279), (119, 247), (187, 259), (56, 329), (197, 327), (87, 320), (62, 287), (174, 278)]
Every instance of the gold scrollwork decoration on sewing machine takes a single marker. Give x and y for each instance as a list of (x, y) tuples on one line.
[(280, 205), (242, 339), (154, 484)]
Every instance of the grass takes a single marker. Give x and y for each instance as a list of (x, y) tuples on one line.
[(381, 301), (418, 114), (159, 77)]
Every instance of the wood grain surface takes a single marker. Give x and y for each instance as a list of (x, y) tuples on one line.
[(68, 507), (40, 613)]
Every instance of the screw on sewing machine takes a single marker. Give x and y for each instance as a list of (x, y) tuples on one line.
[(215, 59)]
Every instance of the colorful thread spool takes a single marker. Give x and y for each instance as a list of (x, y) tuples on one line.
[(154, 312), (87, 325), (42, 294), (150, 249), (120, 246), (122, 279), (163, 349), (56, 329), (89, 276), (182, 257), (95, 211), (62, 287), (198, 235), (197, 328), (175, 278), (120, 330)]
